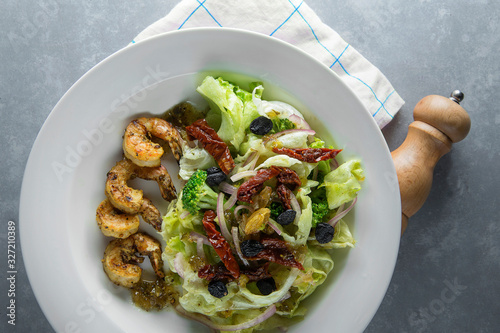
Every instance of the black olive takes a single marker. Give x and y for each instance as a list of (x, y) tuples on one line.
[(261, 125), (287, 217), (217, 289), (212, 170), (250, 247), (215, 179), (324, 233), (266, 286)]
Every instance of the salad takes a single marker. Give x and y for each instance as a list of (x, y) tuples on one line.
[(250, 234)]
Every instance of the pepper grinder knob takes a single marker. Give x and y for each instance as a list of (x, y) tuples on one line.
[(457, 96)]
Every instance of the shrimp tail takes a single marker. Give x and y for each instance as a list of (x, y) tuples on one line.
[(150, 214)]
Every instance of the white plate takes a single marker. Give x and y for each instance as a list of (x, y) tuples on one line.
[(81, 140)]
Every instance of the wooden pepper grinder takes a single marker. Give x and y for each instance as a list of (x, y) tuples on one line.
[(439, 122)]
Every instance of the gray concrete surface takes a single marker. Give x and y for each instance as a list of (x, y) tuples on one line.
[(446, 277)]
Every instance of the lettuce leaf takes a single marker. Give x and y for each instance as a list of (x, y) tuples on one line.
[(193, 159), (293, 140), (317, 264), (231, 109), (174, 231), (342, 184), (273, 109), (342, 237)]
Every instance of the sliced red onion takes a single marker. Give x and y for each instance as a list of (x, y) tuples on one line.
[(238, 208), (236, 241), (232, 200), (194, 235), (273, 224), (249, 159), (273, 137), (178, 265), (334, 164), (295, 206), (184, 214), (340, 209), (315, 173), (220, 216), (340, 215), (206, 321), (299, 121), (243, 174), (227, 188), (199, 248), (254, 162)]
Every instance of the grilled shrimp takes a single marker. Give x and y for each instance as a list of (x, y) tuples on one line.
[(130, 200), (138, 147), (115, 223), (121, 258)]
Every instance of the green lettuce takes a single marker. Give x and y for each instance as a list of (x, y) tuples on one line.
[(175, 231), (193, 159), (317, 264), (231, 109), (342, 184)]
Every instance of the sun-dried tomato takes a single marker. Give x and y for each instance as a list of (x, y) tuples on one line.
[(285, 195), (212, 143), (276, 250), (249, 188), (309, 155), (289, 177), (220, 245), (256, 274), (215, 273), (220, 273)]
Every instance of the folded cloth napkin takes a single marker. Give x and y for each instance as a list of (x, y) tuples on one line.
[(294, 22)]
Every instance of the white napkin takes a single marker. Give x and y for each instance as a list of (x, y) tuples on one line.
[(294, 22)]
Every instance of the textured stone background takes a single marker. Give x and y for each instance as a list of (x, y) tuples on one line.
[(424, 47)]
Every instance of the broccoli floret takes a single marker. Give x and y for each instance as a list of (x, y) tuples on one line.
[(281, 124), (319, 210), (319, 205), (276, 209), (197, 194)]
